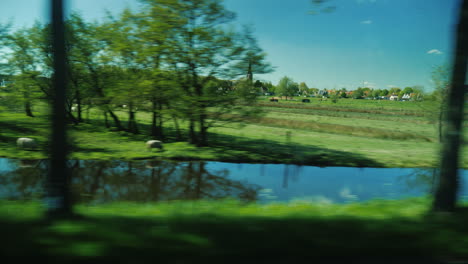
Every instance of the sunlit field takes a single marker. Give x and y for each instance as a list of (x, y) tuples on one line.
[(363, 133)]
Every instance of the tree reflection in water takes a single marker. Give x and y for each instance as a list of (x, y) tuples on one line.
[(26, 181), (421, 178), (139, 181)]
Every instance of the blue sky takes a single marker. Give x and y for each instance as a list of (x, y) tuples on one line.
[(375, 43)]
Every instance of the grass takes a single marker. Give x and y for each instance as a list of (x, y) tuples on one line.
[(196, 230), (192, 231), (356, 133)]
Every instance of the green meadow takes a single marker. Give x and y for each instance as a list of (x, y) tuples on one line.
[(356, 133)]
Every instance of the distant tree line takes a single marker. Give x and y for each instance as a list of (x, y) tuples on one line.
[(288, 87)]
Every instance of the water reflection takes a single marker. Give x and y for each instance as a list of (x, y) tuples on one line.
[(142, 181), (155, 180), (424, 178)]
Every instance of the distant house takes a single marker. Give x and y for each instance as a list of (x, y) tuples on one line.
[(406, 97), (393, 97), (323, 93)]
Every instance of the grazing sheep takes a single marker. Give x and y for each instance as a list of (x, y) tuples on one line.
[(150, 144), (26, 143)]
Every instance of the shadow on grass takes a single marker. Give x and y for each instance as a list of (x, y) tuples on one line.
[(274, 151), (242, 149), (83, 149), (195, 238), (9, 129)]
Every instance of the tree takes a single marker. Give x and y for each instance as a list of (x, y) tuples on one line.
[(446, 193), (418, 91), (24, 66), (394, 90), (376, 93), (400, 94), (358, 93), (334, 97), (253, 59), (440, 78), (202, 50), (59, 197), (125, 47), (303, 89), (79, 43), (287, 87), (270, 87), (313, 91), (408, 90), (92, 78)]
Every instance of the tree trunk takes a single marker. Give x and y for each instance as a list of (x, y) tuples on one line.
[(58, 191), (156, 120), (446, 193), (132, 126), (160, 133), (202, 137), (153, 119), (78, 103), (71, 118), (27, 108), (249, 73), (176, 124), (192, 134), (117, 123)]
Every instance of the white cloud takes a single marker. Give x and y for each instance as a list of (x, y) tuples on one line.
[(346, 194), (368, 84), (434, 51), (391, 86), (367, 22)]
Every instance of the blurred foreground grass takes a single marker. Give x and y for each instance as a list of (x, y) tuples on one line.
[(194, 230)]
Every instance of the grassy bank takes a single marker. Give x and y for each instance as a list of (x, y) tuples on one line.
[(200, 229), (358, 133)]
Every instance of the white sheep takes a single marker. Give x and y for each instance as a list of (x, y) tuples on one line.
[(26, 143), (150, 144)]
